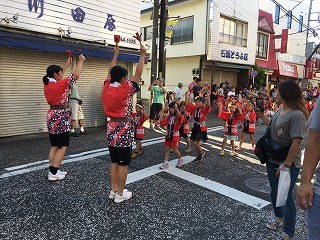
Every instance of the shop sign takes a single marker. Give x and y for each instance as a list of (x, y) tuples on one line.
[(287, 69), (234, 55)]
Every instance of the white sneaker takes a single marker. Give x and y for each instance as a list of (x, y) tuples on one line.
[(55, 177), (126, 195), (62, 172), (113, 194)]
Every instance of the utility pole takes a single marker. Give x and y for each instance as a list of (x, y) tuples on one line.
[(155, 21), (163, 23)]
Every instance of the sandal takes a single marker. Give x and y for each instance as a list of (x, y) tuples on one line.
[(141, 151), (134, 155), (274, 225)]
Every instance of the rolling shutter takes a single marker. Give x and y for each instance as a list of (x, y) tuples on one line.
[(90, 84), (23, 106)]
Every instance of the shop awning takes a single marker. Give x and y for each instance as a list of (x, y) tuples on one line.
[(17, 40), (229, 65)]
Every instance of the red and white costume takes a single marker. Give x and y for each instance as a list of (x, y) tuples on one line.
[(139, 119), (230, 129), (118, 103), (249, 125), (173, 124), (56, 93)]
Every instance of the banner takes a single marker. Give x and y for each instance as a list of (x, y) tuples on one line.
[(284, 40), (309, 69), (169, 30)]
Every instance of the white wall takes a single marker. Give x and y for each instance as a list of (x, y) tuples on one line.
[(296, 41), (57, 14), (242, 10), (196, 8), (181, 58), (178, 71)]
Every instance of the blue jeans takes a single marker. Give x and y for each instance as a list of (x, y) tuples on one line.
[(313, 219), (288, 211)]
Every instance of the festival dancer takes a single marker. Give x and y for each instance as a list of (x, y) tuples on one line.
[(173, 123), (231, 117), (199, 111), (184, 129), (139, 117), (118, 106), (249, 126), (56, 90)]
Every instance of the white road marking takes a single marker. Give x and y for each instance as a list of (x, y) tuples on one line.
[(147, 172), (90, 154), (200, 181)]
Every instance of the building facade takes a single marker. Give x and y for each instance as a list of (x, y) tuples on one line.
[(35, 34), (282, 32), (214, 39)]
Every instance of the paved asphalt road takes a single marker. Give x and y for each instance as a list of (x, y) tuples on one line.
[(218, 198)]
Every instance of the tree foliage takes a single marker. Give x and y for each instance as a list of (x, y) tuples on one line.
[(260, 78)]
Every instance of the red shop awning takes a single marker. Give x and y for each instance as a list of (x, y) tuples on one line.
[(286, 69)]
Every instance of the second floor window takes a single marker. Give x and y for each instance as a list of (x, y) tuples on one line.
[(146, 33), (183, 31), (262, 45), (232, 31)]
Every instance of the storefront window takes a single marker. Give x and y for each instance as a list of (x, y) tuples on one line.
[(232, 31), (262, 45)]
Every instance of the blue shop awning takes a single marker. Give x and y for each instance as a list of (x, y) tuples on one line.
[(230, 65), (17, 40)]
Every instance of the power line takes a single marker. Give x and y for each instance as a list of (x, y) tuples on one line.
[(293, 17)]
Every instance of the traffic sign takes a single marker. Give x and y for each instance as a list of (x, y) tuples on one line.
[(254, 73)]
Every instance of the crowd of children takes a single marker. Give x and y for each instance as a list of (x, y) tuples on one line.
[(232, 108)]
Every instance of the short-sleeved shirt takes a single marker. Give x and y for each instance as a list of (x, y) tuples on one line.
[(190, 86), (118, 103), (74, 92), (231, 94), (56, 93), (196, 90), (314, 124), (158, 95), (177, 91), (284, 127)]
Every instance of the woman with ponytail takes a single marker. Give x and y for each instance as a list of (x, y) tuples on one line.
[(288, 127), (56, 89)]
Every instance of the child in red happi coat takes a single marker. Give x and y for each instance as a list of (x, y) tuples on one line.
[(231, 117), (249, 119), (173, 123), (184, 129), (139, 117), (199, 111)]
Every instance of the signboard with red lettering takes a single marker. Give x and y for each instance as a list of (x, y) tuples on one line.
[(286, 69), (309, 69)]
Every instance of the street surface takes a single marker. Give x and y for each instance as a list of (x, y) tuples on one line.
[(218, 198)]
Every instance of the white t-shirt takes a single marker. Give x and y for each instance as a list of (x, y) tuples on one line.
[(231, 94), (177, 91)]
